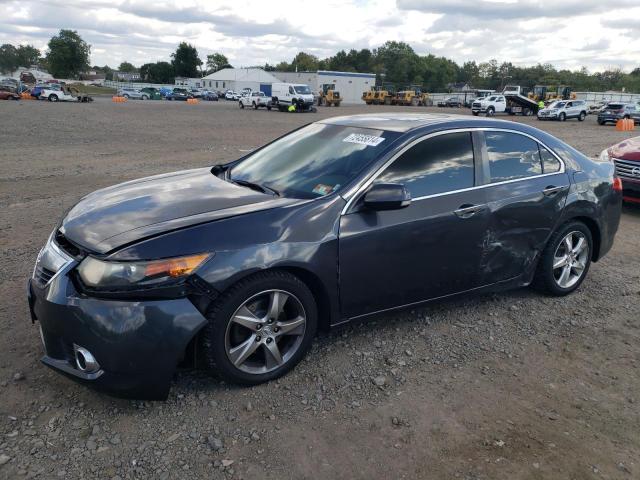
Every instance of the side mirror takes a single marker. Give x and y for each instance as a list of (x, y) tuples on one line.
[(387, 196)]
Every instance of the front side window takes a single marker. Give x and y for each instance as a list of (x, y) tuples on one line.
[(512, 156), (436, 165), (313, 161)]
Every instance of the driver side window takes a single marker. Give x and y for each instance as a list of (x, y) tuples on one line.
[(436, 165)]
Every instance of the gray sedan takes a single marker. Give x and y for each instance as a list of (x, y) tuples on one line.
[(133, 93)]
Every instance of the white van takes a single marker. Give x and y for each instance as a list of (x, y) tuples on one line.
[(283, 95)]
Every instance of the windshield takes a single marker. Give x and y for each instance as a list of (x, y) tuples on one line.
[(557, 104), (314, 161), (302, 89), (492, 99)]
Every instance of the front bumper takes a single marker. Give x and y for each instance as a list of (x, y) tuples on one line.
[(138, 344), (630, 190)]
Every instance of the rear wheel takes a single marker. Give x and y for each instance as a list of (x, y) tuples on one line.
[(260, 328), (565, 261)]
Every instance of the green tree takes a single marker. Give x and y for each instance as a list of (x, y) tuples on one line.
[(28, 55), (68, 54), (160, 72), (127, 67), (185, 61), (305, 62), (217, 61), (8, 58)]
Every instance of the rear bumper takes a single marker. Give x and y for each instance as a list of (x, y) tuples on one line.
[(137, 344)]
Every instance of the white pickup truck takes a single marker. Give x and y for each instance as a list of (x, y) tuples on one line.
[(511, 101), (255, 99)]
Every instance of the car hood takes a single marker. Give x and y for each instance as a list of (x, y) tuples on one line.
[(627, 150), (120, 215)]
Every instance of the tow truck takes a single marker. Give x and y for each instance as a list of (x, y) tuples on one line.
[(513, 101)]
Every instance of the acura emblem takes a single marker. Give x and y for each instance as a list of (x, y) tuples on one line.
[(635, 171)]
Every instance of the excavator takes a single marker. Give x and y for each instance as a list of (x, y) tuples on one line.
[(330, 96)]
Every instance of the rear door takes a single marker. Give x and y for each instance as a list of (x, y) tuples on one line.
[(429, 249), (526, 192)]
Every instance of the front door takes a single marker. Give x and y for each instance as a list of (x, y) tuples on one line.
[(429, 249)]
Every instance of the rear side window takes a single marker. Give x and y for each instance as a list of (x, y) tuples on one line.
[(512, 156), (550, 164), (436, 165)]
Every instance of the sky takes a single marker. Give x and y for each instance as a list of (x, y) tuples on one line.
[(566, 33)]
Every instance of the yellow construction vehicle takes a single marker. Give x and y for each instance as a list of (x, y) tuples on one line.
[(425, 100), (369, 96), (330, 96), (410, 96)]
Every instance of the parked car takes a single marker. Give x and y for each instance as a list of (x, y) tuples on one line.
[(164, 91), (615, 111), (7, 94), (235, 267), (283, 95), (152, 92), (450, 102), (563, 110), (195, 92), (37, 90), (255, 100), (626, 158), (133, 94), (181, 94), (231, 95), (210, 96), (57, 95)]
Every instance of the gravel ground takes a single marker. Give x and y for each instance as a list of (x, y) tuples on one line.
[(513, 386)]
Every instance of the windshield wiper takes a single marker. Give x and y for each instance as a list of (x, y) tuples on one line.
[(255, 186)]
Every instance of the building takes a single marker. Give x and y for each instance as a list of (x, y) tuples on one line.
[(350, 85), (126, 76), (238, 78)]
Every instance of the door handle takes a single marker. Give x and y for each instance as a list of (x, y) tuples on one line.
[(467, 211), (550, 191)]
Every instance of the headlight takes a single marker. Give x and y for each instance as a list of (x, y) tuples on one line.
[(99, 274), (604, 156)]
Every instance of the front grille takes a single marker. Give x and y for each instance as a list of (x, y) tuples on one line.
[(476, 105), (627, 169), (43, 275)]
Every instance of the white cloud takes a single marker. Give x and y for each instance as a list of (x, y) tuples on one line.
[(569, 34)]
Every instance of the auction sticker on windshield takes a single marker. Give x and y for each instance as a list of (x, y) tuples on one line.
[(362, 139)]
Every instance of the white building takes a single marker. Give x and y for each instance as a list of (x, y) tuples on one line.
[(350, 85), (238, 78)]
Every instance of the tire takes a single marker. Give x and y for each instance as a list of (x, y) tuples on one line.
[(582, 116), (600, 122), (562, 117), (144, 97), (53, 97), (222, 336), (241, 105), (126, 96), (490, 112), (269, 107), (253, 104), (548, 279), (475, 114)]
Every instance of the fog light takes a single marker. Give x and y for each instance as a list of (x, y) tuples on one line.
[(85, 361)]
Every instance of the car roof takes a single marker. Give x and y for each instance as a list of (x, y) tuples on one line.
[(404, 122)]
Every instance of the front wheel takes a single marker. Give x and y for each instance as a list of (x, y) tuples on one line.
[(53, 97), (241, 104), (144, 97), (475, 114), (565, 261), (260, 328), (582, 116), (490, 112), (600, 122), (255, 107), (562, 117)]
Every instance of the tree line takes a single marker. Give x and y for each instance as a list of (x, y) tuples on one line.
[(394, 63)]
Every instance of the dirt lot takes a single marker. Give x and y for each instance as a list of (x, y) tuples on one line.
[(510, 386)]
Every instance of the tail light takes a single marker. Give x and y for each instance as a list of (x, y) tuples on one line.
[(617, 184)]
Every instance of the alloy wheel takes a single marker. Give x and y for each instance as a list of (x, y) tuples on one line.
[(570, 259), (265, 332)]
